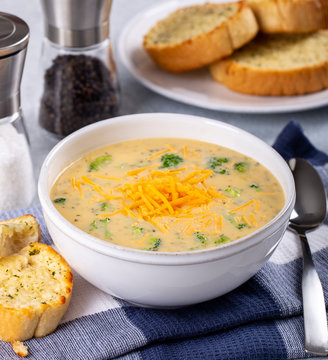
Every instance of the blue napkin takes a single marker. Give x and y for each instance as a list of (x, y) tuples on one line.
[(292, 143), (262, 319)]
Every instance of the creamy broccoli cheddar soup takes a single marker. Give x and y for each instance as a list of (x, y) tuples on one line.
[(167, 194)]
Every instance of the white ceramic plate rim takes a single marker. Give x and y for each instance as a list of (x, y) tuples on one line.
[(184, 87), (164, 258)]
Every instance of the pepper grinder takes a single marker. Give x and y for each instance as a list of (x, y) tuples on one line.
[(79, 84), (16, 176)]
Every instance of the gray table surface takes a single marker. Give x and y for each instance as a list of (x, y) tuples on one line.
[(135, 97)]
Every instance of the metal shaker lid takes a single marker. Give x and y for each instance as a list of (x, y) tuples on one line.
[(76, 23), (14, 34)]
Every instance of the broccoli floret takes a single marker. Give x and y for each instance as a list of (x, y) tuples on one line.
[(223, 239), (136, 230), (93, 225), (201, 237), (60, 200), (102, 226), (99, 161), (104, 206), (214, 162), (154, 243), (193, 248), (107, 234), (106, 220), (232, 221), (255, 187), (241, 166), (171, 160), (232, 192)]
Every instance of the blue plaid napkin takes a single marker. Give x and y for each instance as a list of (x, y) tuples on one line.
[(262, 319)]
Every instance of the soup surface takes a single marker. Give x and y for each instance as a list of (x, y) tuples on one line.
[(167, 194)]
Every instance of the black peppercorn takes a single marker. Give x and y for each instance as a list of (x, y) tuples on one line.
[(78, 90)]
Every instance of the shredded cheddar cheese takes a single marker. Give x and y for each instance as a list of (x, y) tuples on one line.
[(88, 181), (172, 148), (158, 154), (165, 193), (139, 170), (242, 207), (253, 219), (185, 151), (76, 185), (99, 176)]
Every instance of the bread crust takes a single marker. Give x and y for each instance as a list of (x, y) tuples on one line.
[(290, 16), (205, 48), (38, 319), (253, 81)]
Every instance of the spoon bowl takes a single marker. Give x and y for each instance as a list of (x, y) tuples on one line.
[(310, 208), (310, 203)]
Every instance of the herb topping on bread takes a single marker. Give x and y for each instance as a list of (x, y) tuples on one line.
[(35, 290), (195, 36), (277, 65)]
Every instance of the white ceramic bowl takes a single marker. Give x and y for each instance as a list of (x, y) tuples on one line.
[(160, 279)]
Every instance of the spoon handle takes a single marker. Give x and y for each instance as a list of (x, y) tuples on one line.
[(314, 309)]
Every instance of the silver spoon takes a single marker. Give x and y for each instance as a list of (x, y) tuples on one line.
[(310, 208)]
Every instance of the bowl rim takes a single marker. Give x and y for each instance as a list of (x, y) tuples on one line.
[(162, 258)]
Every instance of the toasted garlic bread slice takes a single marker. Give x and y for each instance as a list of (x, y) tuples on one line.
[(35, 291), (18, 233), (195, 36), (288, 64), (290, 16)]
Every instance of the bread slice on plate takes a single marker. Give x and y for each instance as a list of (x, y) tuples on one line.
[(17, 233), (35, 291), (288, 64), (290, 16), (195, 36)]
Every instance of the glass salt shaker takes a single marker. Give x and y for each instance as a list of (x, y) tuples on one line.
[(80, 84), (17, 187)]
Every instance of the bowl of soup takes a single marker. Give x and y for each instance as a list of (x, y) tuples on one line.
[(165, 210)]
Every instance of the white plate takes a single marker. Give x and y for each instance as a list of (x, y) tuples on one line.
[(197, 87)]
